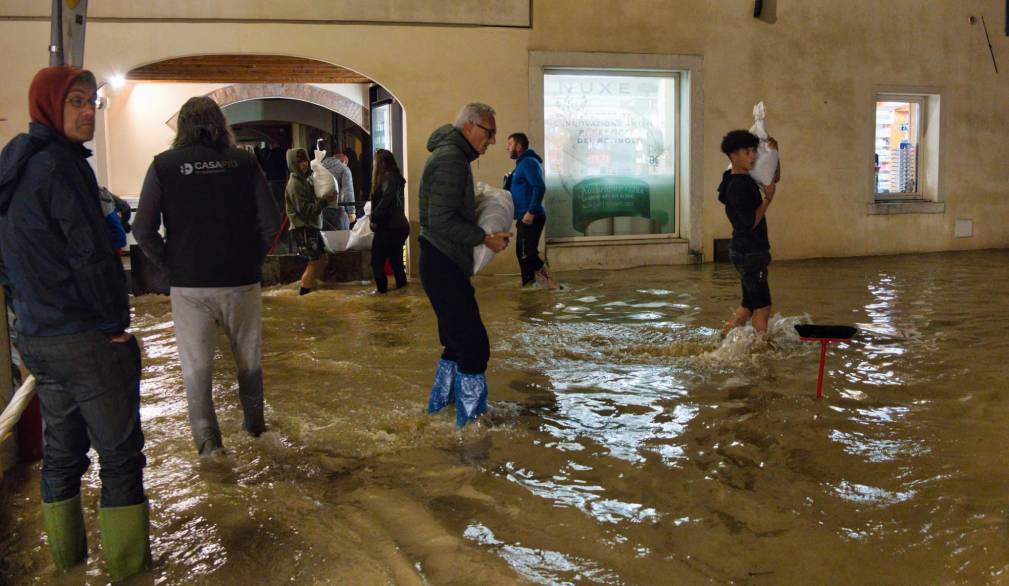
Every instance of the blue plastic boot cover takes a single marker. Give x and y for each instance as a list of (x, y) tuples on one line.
[(441, 391), (470, 397)]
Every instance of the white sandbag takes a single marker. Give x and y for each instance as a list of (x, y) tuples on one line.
[(361, 234), (767, 157), (322, 180), (759, 128), (336, 240), (494, 213)]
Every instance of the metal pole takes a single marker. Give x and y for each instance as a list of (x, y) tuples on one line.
[(56, 35), (8, 446)]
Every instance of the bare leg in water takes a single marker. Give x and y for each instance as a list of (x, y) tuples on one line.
[(741, 315), (315, 269)]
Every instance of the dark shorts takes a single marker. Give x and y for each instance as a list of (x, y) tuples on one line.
[(752, 269), (308, 242)]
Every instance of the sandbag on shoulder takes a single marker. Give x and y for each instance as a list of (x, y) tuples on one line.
[(767, 158), (322, 180)]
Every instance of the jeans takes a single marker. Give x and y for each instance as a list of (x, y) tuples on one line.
[(527, 241), (388, 245), (453, 298), (197, 312), (335, 218), (89, 390)]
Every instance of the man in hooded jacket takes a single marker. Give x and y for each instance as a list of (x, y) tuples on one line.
[(527, 187), (304, 209), (70, 298), (448, 233)]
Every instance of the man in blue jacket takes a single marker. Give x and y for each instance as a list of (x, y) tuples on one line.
[(527, 188), (69, 295)]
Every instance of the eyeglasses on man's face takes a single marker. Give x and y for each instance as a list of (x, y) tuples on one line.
[(78, 102), (491, 132)]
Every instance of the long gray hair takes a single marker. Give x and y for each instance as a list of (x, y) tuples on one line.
[(474, 113), (202, 122)]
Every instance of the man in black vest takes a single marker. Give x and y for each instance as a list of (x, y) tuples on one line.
[(219, 218)]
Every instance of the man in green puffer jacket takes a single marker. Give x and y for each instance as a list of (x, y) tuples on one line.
[(448, 233)]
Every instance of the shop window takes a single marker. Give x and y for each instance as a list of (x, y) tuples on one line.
[(610, 152), (906, 161)]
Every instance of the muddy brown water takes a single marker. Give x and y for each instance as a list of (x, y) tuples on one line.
[(627, 444)]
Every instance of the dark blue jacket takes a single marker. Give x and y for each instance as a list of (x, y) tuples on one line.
[(526, 184), (56, 258)]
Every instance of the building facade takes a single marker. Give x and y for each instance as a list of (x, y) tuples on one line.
[(627, 101)]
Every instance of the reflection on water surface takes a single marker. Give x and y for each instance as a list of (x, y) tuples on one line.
[(627, 443)]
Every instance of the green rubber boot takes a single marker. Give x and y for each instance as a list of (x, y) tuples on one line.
[(126, 544), (64, 525)]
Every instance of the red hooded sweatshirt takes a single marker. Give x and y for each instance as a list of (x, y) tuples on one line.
[(49, 89)]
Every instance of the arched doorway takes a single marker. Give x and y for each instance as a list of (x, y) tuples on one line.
[(320, 96)]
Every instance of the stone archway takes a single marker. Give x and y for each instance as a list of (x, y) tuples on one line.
[(342, 105)]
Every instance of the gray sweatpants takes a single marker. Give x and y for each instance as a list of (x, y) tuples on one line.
[(198, 312)]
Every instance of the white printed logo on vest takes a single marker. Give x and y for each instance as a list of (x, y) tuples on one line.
[(207, 167)]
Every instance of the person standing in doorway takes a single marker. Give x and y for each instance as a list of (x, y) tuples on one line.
[(304, 210), (448, 233), (527, 187), (388, 220), (72, 311), (749, 249), (219, 217), (340, 213)]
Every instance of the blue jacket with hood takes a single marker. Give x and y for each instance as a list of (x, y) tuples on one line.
[(56, 258), (526, 184)]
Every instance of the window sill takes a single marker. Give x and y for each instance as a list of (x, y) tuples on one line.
[(906, 207), (612, 238)]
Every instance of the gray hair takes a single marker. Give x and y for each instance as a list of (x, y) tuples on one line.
[(474, 113)]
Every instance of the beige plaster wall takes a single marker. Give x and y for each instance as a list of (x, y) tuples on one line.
[(136, 131), (816, 69), (481, 12)]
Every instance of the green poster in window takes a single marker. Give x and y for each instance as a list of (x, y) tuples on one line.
[(608, 197), (609, 154)]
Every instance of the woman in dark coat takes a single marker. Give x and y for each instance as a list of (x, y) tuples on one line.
[(388, 220)]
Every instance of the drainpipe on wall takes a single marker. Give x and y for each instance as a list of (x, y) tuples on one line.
[(56, 35)]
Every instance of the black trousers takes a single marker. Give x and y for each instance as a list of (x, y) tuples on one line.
[(453, 298), (388, 245), (526, 241), (89, 390)]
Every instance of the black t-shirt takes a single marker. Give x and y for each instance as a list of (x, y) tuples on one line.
[(741, 196)]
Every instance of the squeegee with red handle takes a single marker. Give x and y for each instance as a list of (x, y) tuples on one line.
[(824, 335)]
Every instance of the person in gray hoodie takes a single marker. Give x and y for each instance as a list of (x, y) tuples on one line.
[(448, 233)]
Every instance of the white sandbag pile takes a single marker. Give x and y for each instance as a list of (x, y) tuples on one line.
[(335, 240), (494, 213)]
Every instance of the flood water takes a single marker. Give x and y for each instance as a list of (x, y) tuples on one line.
[(627, 443)]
